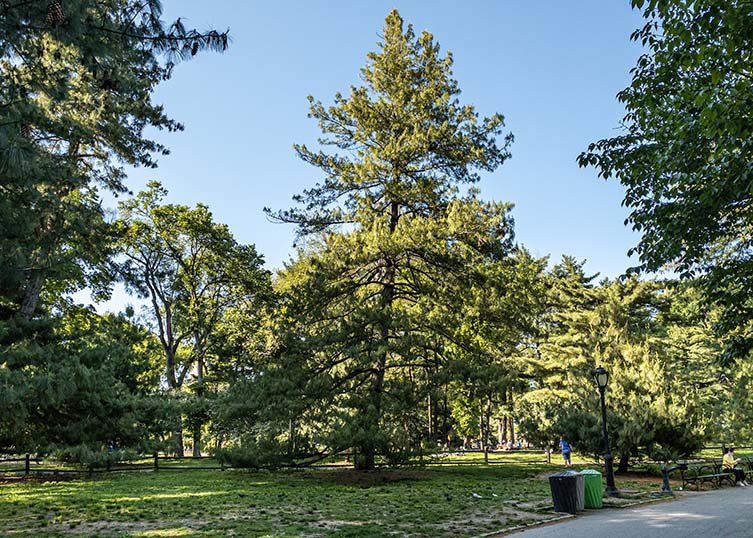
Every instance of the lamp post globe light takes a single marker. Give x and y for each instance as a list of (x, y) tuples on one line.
[(601, 376)]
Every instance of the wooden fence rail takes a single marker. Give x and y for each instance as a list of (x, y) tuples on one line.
[(161, 462), (40, 466)]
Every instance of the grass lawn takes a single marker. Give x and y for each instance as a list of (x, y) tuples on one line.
[(431, 502), (717, 453)]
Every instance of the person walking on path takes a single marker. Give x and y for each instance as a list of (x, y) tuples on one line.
[(565, 448), (729, 464)]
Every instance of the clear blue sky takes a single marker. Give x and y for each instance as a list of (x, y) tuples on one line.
[(552, 68)]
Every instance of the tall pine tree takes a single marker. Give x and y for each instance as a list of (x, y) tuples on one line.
[(391, 243)]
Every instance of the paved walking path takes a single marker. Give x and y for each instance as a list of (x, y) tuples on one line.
[(721, 513)]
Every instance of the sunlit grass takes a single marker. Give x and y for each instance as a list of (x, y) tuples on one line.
[(433, 502)]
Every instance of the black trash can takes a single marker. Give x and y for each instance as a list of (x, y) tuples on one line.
[(567, 491)]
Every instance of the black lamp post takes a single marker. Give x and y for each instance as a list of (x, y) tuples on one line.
[(601, 376)]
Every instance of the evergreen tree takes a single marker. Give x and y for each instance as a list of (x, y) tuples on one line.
[(77, 78), (658, 402), (76, 95), (101, 387), (391, 244), (546, 411), (491, 343)]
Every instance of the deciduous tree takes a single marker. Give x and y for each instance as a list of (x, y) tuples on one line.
[(685, 151), (193, 272)]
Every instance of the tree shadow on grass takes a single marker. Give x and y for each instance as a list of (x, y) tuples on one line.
[(365, 479)]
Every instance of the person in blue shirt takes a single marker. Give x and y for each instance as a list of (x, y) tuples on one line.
[(565, 448)]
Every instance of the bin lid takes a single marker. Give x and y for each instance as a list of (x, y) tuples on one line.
[(590, 471), (564, 473)]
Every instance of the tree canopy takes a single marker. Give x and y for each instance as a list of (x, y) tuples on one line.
[(391, 242), (684, 155), (75, 101), (409, 318), (194, 274)]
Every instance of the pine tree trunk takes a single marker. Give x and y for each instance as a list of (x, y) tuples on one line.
[(31, 294), (407, 441), (371, 412), (291, 438), (196, 434), (45, 233), (510, 419), (445, 424), (366, 460), (430, 413), (485, 411), (622, 467), (511, 424), (178, 440), (371, 406), (502, 432)]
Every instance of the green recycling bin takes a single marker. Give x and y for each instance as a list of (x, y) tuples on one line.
[(592, 488)]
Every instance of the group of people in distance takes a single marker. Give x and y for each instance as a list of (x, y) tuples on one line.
[(729, 465)]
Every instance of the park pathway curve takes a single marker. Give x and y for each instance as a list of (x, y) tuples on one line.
[(722, 513)]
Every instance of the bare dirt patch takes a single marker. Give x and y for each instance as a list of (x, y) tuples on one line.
[(366, 479), (502, 518)]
